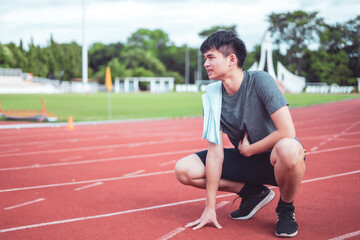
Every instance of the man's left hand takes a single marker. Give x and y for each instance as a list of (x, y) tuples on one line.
[(244, 146)]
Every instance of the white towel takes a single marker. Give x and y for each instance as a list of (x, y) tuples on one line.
[(212, 111)]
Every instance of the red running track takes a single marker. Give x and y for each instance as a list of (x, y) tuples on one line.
[(116, 181)]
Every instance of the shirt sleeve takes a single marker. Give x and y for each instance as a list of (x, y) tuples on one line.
[(269, 92)]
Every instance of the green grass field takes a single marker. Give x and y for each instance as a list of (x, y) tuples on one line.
[(93, 107)]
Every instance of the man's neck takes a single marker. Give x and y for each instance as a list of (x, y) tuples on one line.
[(233, 82)]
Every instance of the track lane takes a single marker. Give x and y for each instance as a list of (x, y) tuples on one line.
[(317, 164)]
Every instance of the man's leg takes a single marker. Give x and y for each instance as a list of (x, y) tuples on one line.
[(287, 157), (190, 170)]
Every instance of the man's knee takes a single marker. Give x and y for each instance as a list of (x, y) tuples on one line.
[(181, 172), (189, 168), (288, 152)]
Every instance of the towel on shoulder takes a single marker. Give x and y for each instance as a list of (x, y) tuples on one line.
[(212, 111)]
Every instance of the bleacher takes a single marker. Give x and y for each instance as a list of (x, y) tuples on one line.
[(14, 81)]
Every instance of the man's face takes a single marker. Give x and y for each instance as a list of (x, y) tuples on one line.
[(215, 64)]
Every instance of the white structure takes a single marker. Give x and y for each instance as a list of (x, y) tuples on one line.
[(291, 82), (324, 88), (266, 56), (187, 88), (157, 84)]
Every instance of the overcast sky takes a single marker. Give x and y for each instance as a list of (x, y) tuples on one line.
[(110, 21)]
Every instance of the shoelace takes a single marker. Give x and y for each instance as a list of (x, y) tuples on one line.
[(285, 213), (235, 200), (243, 201)]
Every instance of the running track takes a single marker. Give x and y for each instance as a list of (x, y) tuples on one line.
[(116, 181)]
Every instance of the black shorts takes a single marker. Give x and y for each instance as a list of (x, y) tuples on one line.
[(256, 169)]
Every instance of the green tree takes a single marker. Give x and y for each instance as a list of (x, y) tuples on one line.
[(139, 58), (7, 59), (100, 54), (352, 46), (295, 30), (153, 41), (322, 66), (19, 56), (208, 32)]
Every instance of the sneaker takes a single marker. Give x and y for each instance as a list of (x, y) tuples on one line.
[(286, 225), (250, 205)]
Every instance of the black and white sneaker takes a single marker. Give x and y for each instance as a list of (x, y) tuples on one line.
[(286, 224), (250, 205)]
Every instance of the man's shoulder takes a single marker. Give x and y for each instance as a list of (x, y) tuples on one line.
[(258, 74)]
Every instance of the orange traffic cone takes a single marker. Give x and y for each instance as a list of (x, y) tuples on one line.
[(70, 123)]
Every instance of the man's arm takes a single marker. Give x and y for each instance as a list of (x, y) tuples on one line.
[(284, 129), (214, 161)]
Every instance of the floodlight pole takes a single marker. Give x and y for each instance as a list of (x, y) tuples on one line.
[(109, 101), (187, 65), (199, 72), (84, 49)]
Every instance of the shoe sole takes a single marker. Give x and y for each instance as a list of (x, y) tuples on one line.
[(285, 235), (260, 205)]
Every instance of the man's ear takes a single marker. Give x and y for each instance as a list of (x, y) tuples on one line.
[(232, 59)]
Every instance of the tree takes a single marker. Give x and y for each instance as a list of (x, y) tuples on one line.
[(148, 40), (296, 30), (137, 57), (208, 32), (321, 66), (100, 54), (7, 59), (352, 45)]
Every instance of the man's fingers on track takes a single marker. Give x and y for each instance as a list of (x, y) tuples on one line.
[(217, 224), (199, 226), (191, 224)]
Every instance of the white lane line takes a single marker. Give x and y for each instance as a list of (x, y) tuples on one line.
[(345, 236), (334, 149), (70, 158), (314, 148), (180, 229), (101, 160), (106, 151), (167, 163), (24, 204), (129, 145), (11, 150), (325, 136), (330, 176), (121, 178), (148, 208), (172, 233), (88, 186), (146, 155), (85, 182), (133, 173), (220, 205), (45, 145)]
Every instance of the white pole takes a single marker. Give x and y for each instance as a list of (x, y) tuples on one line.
[(187, 66), (109, 101), (199, 65), (84, 49)]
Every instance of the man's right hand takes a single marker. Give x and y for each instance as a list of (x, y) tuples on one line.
[(207, 217)]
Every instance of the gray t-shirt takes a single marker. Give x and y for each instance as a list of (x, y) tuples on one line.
[(250, 108)]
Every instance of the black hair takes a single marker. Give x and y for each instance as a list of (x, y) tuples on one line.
[(227, 43)]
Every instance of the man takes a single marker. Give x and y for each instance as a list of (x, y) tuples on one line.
[(254, 114)]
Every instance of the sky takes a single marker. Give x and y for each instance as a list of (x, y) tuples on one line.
[(111, 21)]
